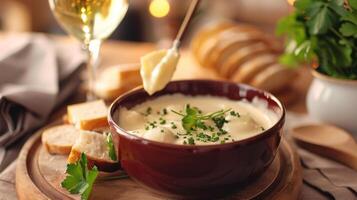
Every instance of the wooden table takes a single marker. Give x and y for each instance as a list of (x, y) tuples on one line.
[(114, 52)]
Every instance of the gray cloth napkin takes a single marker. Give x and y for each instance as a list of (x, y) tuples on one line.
[(36, 74), (329, 179)]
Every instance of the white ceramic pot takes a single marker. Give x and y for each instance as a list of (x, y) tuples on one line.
[(333, 101)]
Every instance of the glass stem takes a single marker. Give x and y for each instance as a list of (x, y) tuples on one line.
[(93, 50)]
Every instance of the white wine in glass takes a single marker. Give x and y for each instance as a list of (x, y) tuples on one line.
[(90, 21)]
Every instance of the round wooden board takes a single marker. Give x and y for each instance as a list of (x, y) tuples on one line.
[(38, 176)]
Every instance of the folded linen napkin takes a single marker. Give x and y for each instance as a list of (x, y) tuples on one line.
[(36, 74)]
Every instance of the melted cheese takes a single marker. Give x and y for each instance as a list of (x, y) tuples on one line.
[(254, 117), (157, 69)]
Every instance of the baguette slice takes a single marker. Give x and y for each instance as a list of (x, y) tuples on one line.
[(114, 81), (231, 42), (214, 40), (206, 32), (94, 145), (88, 115), (274, 78), (60, 139), (240, 56), (253, 67)]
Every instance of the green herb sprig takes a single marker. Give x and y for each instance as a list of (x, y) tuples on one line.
[(80, 179), (324, 31), (193, 119)]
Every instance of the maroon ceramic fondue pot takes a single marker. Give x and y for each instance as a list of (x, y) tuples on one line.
[(197, 171)]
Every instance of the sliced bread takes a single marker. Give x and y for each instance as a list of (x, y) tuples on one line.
[(251, 68), (208, 31), (229, 44), (88, 115), (96, 148), (242, 55), (114, 81), (274, 78), (60, 139)]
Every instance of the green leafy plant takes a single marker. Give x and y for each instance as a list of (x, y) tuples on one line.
[(324, 31), (80, 179)]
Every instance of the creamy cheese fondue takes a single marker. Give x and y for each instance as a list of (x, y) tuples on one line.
[(197, 120)]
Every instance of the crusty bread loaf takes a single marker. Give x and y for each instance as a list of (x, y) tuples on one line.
[(88, 115), (242, 55), (114, 81), (253, 67), (274, 78), (229, 45), (207, 32), (60, 139), (95, 146)]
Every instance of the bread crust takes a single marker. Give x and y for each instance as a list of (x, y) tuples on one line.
[(54, 148), (102, 165)]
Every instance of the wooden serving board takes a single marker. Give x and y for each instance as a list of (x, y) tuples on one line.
[(39, 174)]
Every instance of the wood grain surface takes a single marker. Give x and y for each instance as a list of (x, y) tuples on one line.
[(39, 174)]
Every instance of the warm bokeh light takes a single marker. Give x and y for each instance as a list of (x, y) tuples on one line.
[(291, 2), (159, 8)]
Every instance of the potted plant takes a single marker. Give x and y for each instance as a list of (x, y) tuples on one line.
[(325, 32)]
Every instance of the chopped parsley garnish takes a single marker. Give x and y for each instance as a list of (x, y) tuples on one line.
[(173, 125), (192, 119), (152, 124), (191, 141), (147, 112), (235, 114), (210, 128), (164, 111), (198, 127), (110, 144), (219, 121), (80, 179), (263, 129), (162, 120)]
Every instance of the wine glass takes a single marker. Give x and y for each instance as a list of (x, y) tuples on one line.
[(90, 21)]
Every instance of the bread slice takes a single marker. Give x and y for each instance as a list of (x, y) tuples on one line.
[(60, 139), (214, 40), (114, 81), (274, 78), (206, 32), (88, 115), (251, 68), (230, 45), (242, 55), (95, 146)]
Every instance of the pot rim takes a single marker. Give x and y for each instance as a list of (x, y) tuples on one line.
[(325, 77)]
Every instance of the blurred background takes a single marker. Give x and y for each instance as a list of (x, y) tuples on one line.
[(147, 20)]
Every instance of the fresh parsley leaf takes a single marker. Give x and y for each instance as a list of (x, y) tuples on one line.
[(193, 119), (348, 29), (188, 122), (112, 153), (80, 179), (219, 121)]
